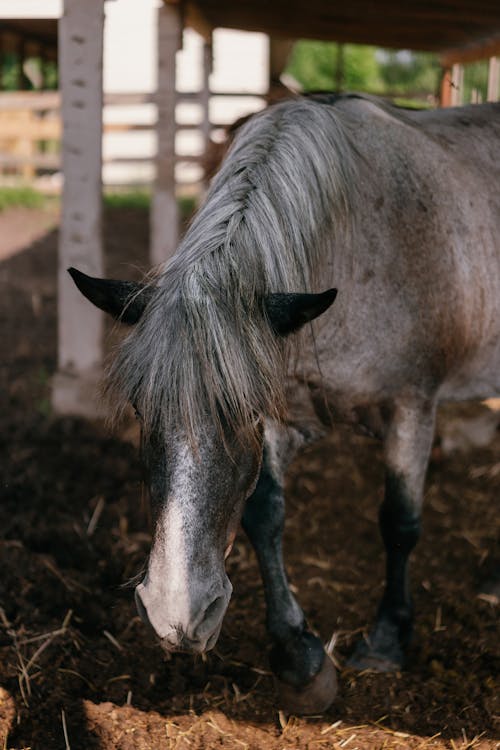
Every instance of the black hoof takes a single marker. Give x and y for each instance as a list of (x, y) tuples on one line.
[(383, 650), (366, 657), (314, 697)]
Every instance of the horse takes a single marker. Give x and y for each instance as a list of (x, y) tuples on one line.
[(236, 357)]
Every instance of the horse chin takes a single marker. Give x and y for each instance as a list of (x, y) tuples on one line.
[(193, 647)]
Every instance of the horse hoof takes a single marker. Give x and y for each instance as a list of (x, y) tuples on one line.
[(364, 658), (313, 698)]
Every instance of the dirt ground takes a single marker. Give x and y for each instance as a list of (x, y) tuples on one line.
[(77, 668)]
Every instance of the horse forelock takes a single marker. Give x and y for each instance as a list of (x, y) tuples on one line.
[(204, 347)]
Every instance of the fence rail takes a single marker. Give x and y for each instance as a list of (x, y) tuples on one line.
[(31, 130)]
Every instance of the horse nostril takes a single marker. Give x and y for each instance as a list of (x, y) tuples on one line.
[(211, 616), (212, 607)]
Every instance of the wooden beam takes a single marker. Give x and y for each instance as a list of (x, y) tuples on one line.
[(33, 100), (363, 12), (194, 18), (479, 50), (80, 325), (164, 213), (432, 26)]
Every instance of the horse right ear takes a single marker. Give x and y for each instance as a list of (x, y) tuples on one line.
[(287, 313), (124, 300)]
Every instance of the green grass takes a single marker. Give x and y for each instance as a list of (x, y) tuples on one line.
[(15, 197), (141, 199), (128, 199), (27, 197)]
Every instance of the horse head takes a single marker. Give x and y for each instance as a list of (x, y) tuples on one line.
[(198, 487)]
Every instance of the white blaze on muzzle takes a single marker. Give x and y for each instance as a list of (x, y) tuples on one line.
[(182, 600)]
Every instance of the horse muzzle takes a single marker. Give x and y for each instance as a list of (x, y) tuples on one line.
[(192, 629)]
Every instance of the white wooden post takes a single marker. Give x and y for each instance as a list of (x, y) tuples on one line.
[(164, 213), (493, 79), (457, 85), (207, 61), (80, 325)]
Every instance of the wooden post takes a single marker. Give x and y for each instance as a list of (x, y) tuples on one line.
[(457, 85), (445, 88), (80, 325), (493, 79), (279, 53), (164, 213), (207, 61)]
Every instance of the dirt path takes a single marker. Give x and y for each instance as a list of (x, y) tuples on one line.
[(20, 227)]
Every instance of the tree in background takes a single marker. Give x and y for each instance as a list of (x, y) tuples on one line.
[(320, 66), (36, 74), (405, 72), (350, 67)]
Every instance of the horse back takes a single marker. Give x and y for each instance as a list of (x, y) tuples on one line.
[(419, 277)]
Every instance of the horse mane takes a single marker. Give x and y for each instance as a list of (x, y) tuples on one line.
[(204, 345)]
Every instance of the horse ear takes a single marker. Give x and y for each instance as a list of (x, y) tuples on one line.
[(124, 300), (289, 312)]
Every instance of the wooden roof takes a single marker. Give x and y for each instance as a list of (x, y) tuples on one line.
[(445, 26)]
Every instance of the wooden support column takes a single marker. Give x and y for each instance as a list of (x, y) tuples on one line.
[(164, 213), (457, 85), (207, 61), (80, 325), (445, 88), (279, 53), (493, 79), (205, 91)]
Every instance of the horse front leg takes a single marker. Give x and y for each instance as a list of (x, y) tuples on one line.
[(407, 448), (306, 678)]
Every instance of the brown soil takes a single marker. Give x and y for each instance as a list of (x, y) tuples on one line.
[(75, 658)]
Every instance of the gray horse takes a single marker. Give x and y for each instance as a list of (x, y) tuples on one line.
[(401, 212)]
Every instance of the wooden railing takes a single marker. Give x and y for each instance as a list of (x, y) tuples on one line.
[(30, 130)]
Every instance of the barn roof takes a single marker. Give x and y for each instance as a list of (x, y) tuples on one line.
[(466, 29), (459, 30)]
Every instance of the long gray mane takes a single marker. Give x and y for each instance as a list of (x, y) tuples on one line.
[(204, 346)]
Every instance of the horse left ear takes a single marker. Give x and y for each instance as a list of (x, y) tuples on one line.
[(289, 312), (124, 300)]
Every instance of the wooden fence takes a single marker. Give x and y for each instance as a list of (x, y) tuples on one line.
[(30, 125), (30, 130)]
